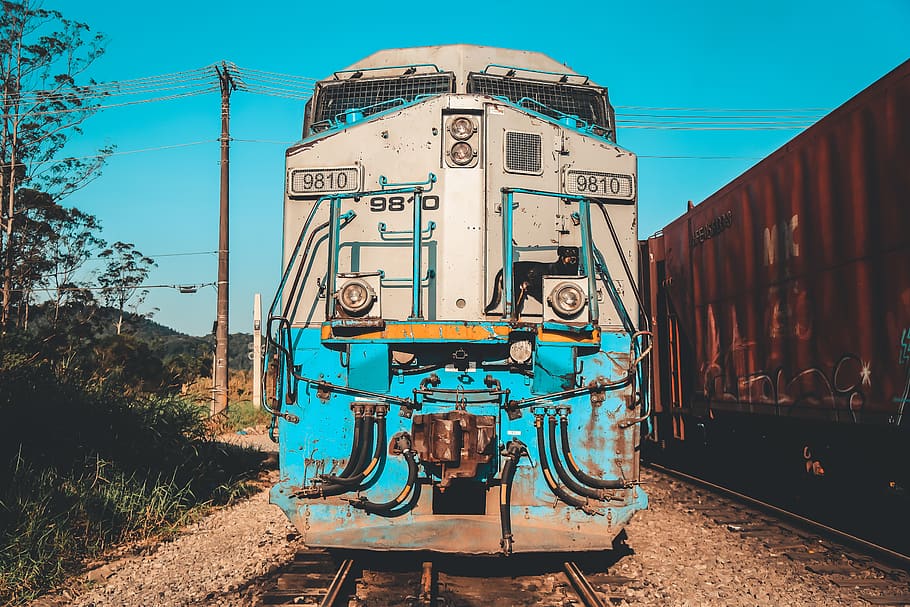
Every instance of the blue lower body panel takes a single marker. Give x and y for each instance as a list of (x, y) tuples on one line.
[(457, 433)]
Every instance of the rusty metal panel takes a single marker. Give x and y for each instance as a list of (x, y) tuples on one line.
[(792, 281)]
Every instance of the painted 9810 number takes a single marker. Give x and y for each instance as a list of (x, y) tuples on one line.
[(319, 181), (601, 185), (380, 204)]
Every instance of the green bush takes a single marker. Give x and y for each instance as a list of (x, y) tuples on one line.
[(88, 467)]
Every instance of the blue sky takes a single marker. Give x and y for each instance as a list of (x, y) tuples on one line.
[(719, 54)]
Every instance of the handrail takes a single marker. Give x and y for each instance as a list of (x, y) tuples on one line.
[(278, 327), (515, 69), (390, 235), (569, 120), (509, 309), (385, 183), (357, 112), (405, 67)]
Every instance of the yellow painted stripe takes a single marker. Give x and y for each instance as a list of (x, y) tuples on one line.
[(369, 468), (404, 494), (427, 332), (571, 459), (423, 331), (502, 495), (550, 480), (565, 337)]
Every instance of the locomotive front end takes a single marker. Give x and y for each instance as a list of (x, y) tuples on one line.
[(455, 350)]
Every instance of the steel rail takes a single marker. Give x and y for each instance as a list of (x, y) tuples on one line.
[(581, 585), (333, 593), (882, 552)]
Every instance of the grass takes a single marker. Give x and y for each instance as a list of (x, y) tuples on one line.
[(88, 468), (243, 414)]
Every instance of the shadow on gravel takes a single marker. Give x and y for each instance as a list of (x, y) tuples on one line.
[(488, 566)]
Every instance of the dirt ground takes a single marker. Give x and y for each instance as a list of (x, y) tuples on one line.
[(677, 559)]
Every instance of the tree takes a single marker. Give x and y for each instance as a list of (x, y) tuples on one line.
[(30, 238), (52, 244), (41, 56), (123, 276), (73, 242)]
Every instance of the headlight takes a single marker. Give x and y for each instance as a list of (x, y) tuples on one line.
[(567, 299), (462, 128), (355, 297), (520, 351), (462, 153)]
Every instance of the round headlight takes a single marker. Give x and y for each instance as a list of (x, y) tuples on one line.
[(520, 351), (461, 128), (355, 297), (567, 299), (462, 153)]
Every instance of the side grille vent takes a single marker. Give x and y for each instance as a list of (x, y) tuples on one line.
[(523, 153)]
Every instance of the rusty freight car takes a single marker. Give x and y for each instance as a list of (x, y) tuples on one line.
[(781, 306)]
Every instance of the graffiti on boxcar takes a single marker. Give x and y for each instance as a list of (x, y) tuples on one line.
[(788, 312), (904, 360), (733, 375), (780, 241)]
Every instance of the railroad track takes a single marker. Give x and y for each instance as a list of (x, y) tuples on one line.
[(385, 580), (880, 575)]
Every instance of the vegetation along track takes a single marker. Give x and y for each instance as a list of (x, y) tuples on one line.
[(882, 575), (389, 579)]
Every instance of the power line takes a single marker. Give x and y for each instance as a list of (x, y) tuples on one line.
[(717, 109), (716, 127), (121, 153), (682, 157), (183, 254), (183, 288)]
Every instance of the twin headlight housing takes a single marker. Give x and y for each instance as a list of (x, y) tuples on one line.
[(462, 141)]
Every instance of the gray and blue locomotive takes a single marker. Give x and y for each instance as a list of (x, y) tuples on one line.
[(455, 351)]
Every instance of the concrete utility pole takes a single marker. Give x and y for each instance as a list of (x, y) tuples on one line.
[(257, 351), (221, 329)]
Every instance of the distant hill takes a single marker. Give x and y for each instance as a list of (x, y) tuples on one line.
[(163, 342), (169, 344)]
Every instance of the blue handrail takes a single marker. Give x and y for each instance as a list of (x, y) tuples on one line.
[(584, 213)]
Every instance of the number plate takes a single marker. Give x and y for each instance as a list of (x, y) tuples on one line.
[(323, 181), (600, 185)]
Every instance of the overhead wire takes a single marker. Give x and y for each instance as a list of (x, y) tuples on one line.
[(154, 84), (199, 81)]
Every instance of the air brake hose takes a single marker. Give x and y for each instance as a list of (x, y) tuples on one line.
[(391, 507), (513, 452), (331, 485), (355, 443), (575, 470), (356, 481), (366, 445), (568, 480), (559, 492)]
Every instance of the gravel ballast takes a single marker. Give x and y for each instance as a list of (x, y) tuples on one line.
[(678, 558)]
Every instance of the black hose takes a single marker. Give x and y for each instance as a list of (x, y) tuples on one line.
[(355, 443), (333, 485), (591, 481), (355, 481), (391, 507), (565, 477), (559, 492), (513, 452)]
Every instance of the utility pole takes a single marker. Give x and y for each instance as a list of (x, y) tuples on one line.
[(221, 328)]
